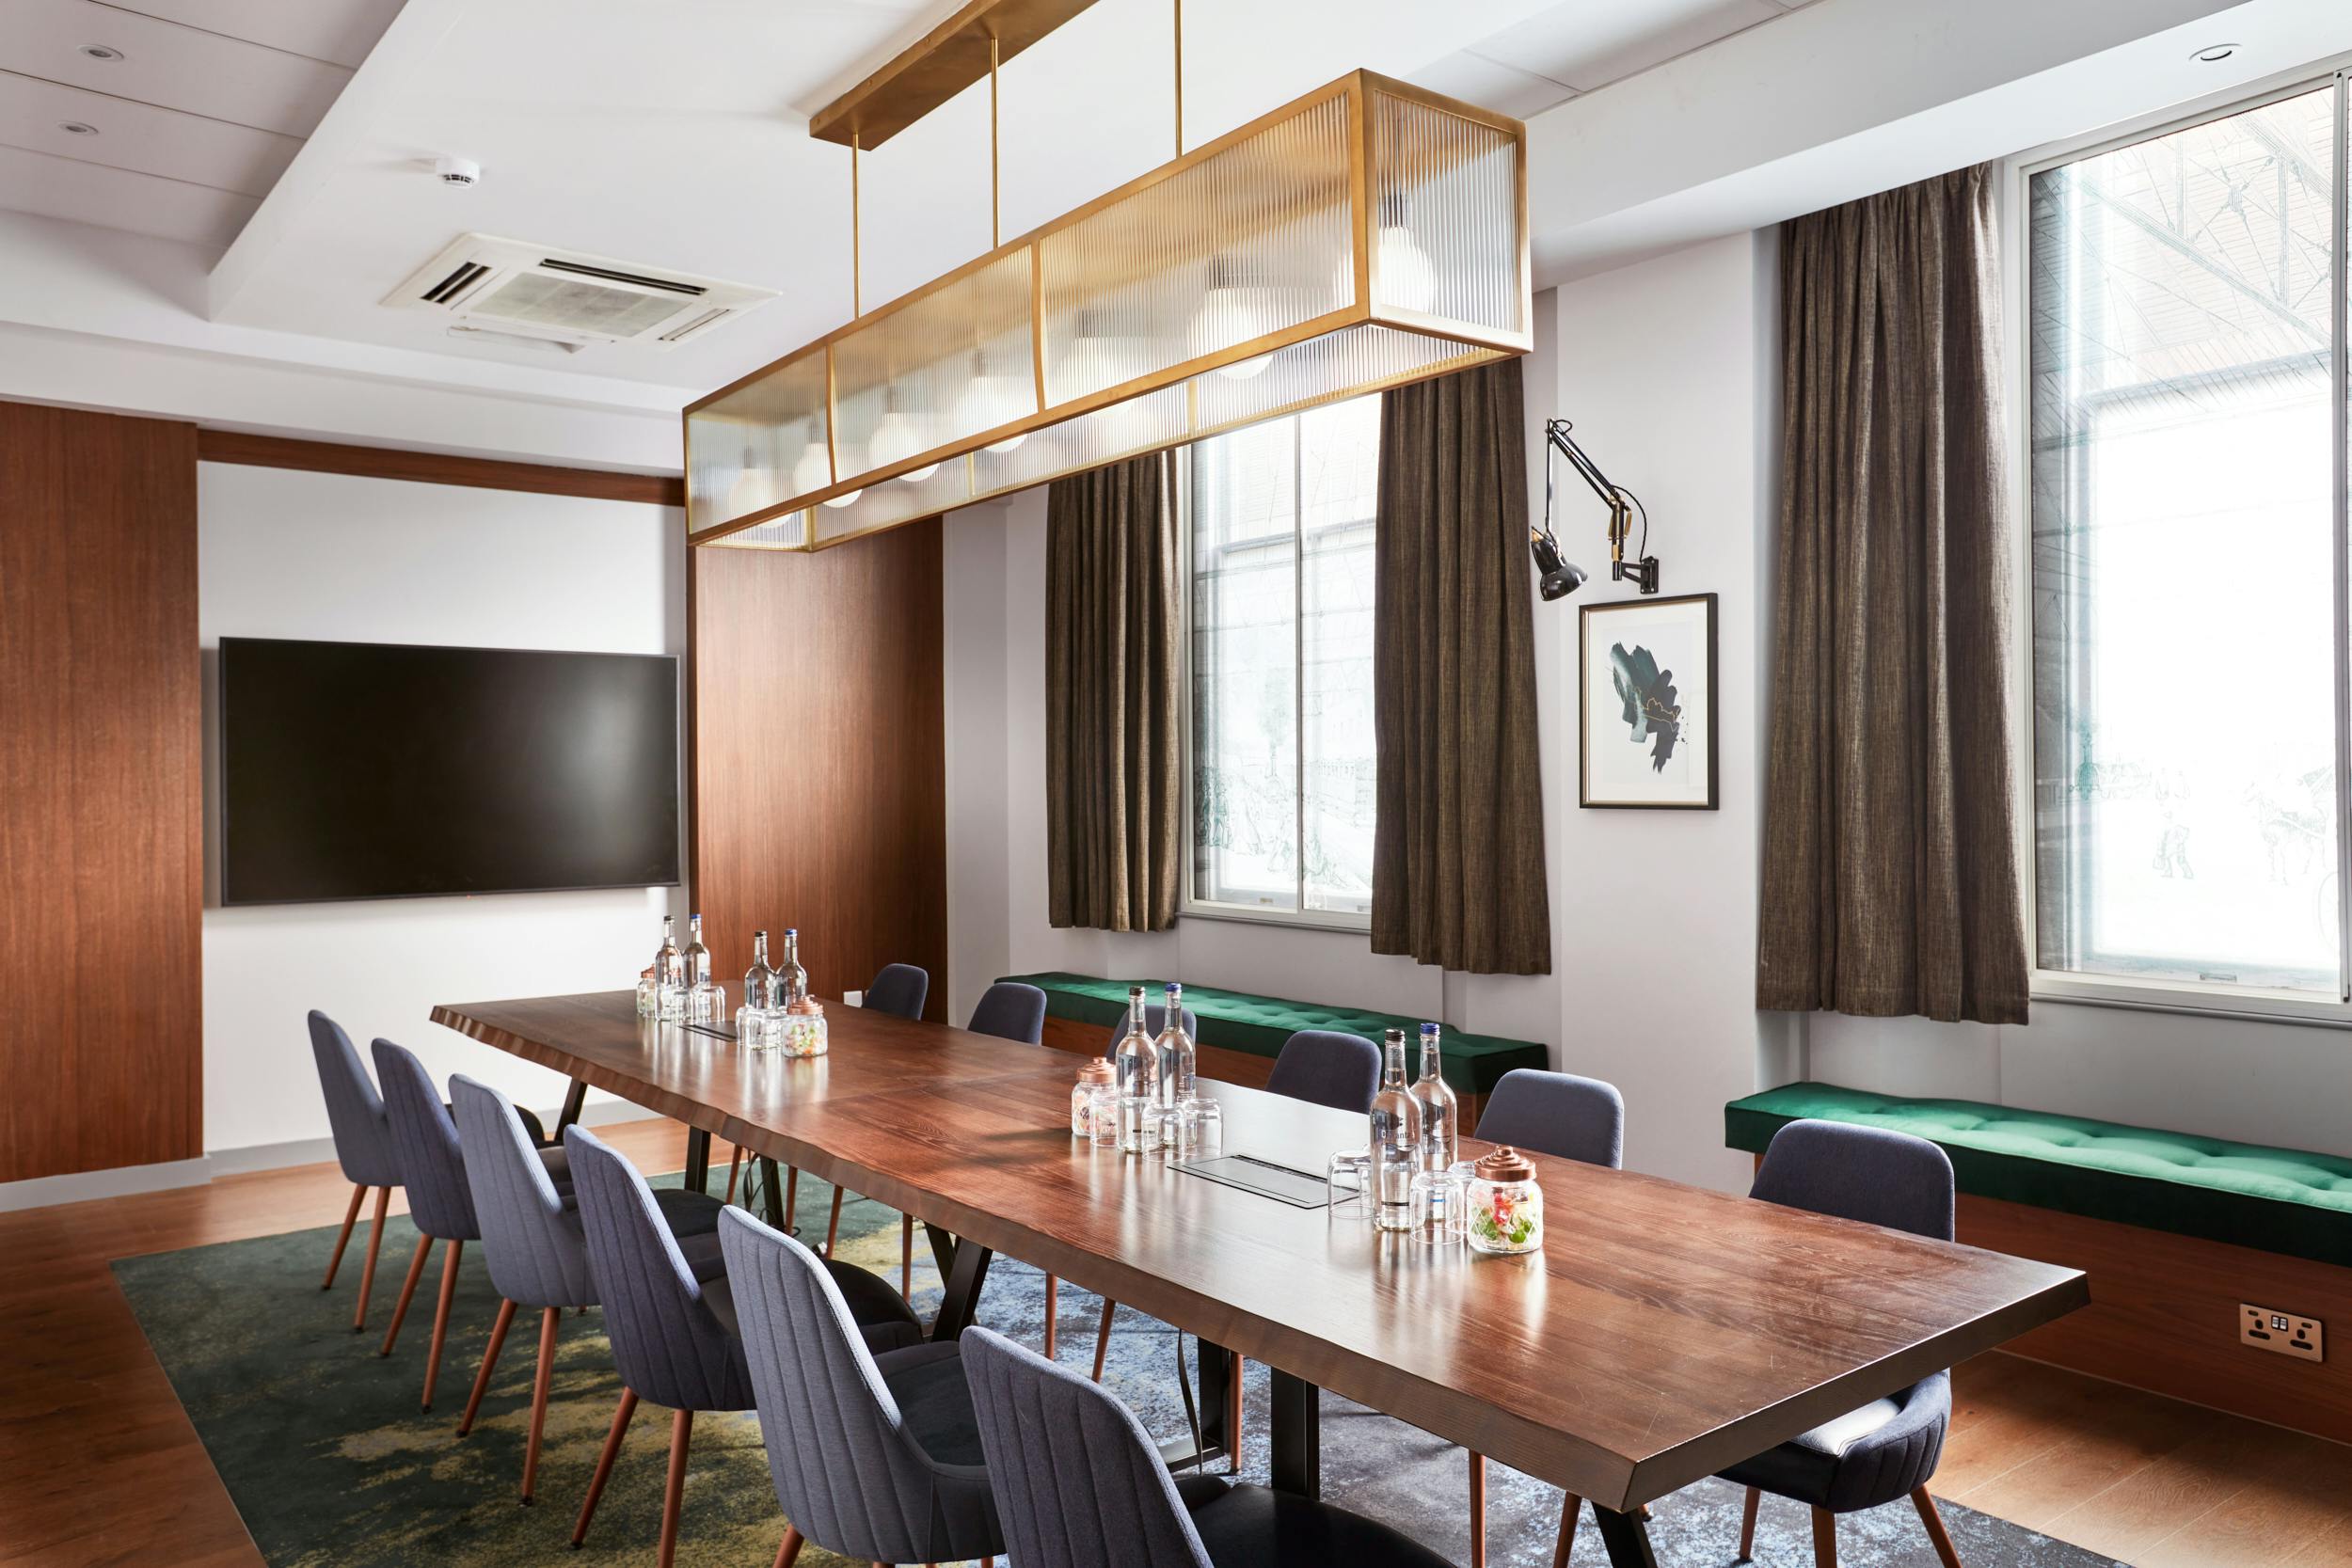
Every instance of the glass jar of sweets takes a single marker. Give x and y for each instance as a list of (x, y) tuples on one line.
[(1095, 1094), (1507, 1207), (800, 1029)]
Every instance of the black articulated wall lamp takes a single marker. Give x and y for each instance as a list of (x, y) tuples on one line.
[(1560, 579)]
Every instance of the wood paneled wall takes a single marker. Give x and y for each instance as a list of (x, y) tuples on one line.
[(101, 859), (818, 756)]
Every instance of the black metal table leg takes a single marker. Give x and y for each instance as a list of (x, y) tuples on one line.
[(771, 1184), (1626, 1538), (943, 1247), (574, 1098), (1297, 1465), (967, 1269), (697, 1160)]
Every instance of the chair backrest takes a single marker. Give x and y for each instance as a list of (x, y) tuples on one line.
[(1327, 1067), (1557, 1114), (1078, 1482), (537, 1257), (1011, 1011), (668, 1344), (1859, 1173), (899, 991), (355, 1110), (850, 1475), (1154, 1019), (432, 1160)]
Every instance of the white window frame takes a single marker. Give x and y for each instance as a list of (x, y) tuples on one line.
[(1190, 905), (2164, 994)]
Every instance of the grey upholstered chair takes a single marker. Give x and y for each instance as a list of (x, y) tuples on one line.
[(1888, 1448), (433, 1168), (1326, 1067), (1011, 1011), (363, 1145), (1570, 1118), (876, 1457), (670, 1315), (532, 1238), (1080, 1485), (900, 990)]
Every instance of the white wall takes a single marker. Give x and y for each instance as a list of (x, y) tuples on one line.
[(1664, 372), (289, 554)]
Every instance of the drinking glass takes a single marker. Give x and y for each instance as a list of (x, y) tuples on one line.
[(1198, 1127), (1440, 1202), (1346, 1173)]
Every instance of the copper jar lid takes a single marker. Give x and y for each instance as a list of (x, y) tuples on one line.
[(806, 1007), (1096, 1070), (1504, 1164)]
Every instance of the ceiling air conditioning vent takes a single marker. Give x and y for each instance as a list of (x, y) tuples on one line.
[(501, 289)]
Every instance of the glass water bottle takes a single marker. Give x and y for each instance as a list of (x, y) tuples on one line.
[(705, 999), (1439, 1114), (759, 998), (1174, 1063), (1134, 1060), (1397, 1141), (669, 974), (791, 979)]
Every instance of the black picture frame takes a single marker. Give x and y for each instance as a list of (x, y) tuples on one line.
[(1615, 620)]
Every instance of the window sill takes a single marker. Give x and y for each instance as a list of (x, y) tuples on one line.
[(2188, 997), (1308, 920)]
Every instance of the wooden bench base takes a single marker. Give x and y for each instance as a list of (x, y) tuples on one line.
[(2164, 1314)]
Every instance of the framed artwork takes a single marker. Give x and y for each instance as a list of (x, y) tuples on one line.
[(1646, 703)]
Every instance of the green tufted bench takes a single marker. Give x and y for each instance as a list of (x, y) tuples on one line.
[(1257, 1025), (2277, 1199)]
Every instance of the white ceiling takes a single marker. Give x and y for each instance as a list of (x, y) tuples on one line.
[(190, 121), (1575, 48)]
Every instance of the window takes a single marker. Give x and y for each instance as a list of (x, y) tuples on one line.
[(2188, 694), (1281, 742)]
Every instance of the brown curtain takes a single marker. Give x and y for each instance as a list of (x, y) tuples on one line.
[(1890, 870), (1457, 863), (1113, 785)]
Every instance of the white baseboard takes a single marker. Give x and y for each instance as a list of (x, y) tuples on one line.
[(127, 1180)]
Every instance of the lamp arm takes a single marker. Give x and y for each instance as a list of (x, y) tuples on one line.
[(1556, 431), (1622, 505)]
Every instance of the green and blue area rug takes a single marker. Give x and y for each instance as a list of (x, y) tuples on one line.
[(332, 1464)]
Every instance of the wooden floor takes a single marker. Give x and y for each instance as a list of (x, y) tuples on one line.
[(98, 1462)]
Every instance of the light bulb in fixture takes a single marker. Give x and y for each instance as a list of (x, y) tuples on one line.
[(837, 502), (814, 471), (751, 490), (1227, 317), (991, 400), (895, 439), (1409, 279)]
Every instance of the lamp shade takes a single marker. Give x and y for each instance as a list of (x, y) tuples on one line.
[(1364, 236)]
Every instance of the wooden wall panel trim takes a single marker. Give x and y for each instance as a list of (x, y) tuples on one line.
[(427, 467), (2163, 1314), (817, 755), (100, 794)]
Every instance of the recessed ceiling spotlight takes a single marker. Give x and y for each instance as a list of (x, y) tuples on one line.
[(101, 51), (77, 128), (2216, 53)]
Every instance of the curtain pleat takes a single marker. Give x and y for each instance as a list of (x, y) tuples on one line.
[(1113, 693), (1890, 868), (1457, 875)]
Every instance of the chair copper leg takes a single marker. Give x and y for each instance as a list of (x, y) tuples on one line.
[(790, 1549), (1824, 1539), (1564, 1548), (376, 1244), (1747, 1525), (440, 1320), (407, 1289), (674, 1494), (735, 1164), (1478, 1510), (1053, 1312), (489, 1360), (604, 1461), (1937, 1535), (833, 1225), (906, 1254), (548, 1320), (343, 1239), (1103, 1339)]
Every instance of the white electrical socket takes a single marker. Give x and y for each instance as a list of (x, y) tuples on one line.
[(2287, 1333)]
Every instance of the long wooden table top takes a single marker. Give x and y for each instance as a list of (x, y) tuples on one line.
[(1663, 1332)]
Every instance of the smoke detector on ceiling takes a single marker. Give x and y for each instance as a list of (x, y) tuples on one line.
[(500, 291)]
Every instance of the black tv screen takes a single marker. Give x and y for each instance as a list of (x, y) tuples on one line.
[(379, 770)]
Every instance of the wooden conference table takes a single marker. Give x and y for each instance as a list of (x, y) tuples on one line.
[(1664, 1332)]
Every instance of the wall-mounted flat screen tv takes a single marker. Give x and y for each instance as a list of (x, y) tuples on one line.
[(380, 771)]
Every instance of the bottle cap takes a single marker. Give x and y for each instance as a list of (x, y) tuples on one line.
[(1505, 1164), (1427, 1030)]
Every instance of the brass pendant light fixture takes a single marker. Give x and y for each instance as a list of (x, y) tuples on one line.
[(1364, 236)]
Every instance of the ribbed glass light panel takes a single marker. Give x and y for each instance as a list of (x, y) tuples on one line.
[(1248, 240), (1447, 242), (758, 445), (1216, 292)]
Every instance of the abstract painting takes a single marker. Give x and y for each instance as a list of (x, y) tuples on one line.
[(1648, 704)]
